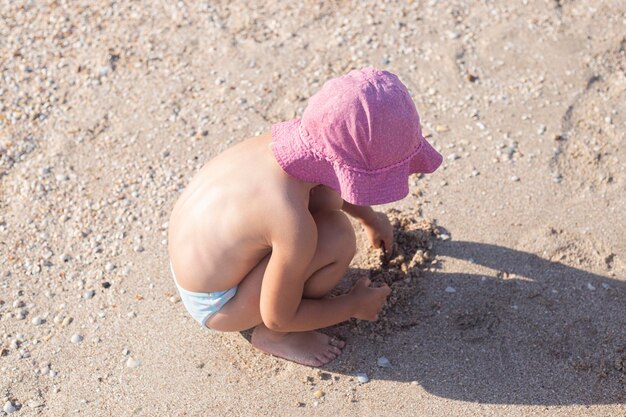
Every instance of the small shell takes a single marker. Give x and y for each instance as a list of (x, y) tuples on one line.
[(362, 378), (384, 362)]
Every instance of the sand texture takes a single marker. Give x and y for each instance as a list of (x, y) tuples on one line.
[(509, 272)]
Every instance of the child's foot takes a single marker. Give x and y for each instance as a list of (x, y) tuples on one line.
[(306, 348)]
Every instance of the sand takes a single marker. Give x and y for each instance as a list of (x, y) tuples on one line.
[(509, 276)]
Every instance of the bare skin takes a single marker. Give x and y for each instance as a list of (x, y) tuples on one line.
[(285, 243)]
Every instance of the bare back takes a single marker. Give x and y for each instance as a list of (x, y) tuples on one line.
[(218, 229)]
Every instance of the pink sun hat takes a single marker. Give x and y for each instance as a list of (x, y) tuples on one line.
[(359, 135)]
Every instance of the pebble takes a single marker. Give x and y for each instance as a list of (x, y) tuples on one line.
[(34, 403), (590, 287), (66, 321), (109, 266), (18, 303), (21, 314), (362, 378), (383, 362), (444, 236), (139, 249), (9, 407), (453, 157), (37, 320), (514, 178), (76, 338), (175, 298), (133, 363), (89, 294), (450, 290), (442, 128), (318, 394)]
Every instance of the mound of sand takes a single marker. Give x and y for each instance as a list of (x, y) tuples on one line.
[(412, 253)]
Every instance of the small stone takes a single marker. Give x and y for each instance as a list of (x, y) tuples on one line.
[(65, 257), (318, 394), (76, 338), (66, 321), (106, 284), (453, 157), (21, 314), (175, 298), (442, 128), (444, 236), (103, 71), (414, 383), (18, 303), (37, 320), (9, 407), (62, 177), (514, 178), (89, 294), (34, 403), (383, 362), (133, 363), (109, 266), (590, 287), (139, 249), (450, 290), (362, 378)]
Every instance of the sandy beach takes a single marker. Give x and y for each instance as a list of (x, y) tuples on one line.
[(515, 306)]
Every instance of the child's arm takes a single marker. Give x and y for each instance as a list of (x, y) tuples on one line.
[(282, 307), (376, 225)]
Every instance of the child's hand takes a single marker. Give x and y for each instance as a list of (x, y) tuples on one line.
[(380, 232), (368, 300)]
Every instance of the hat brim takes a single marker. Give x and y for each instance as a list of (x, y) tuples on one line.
[(357, 187)]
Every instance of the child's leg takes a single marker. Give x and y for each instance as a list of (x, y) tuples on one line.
[(336, 246)]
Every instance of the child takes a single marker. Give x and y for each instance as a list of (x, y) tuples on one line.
[(258, 238)]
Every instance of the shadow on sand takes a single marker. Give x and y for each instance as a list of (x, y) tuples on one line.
[(530, 331)]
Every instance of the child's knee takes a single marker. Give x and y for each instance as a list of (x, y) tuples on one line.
[(343, 238)]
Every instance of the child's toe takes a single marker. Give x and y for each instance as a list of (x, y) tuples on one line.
[(334, 350), (336, 342)]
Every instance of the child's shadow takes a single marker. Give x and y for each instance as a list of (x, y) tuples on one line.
[(531, 331)]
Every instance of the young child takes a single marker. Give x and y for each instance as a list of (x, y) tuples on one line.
[(259, 237)]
